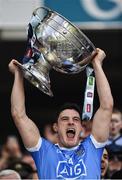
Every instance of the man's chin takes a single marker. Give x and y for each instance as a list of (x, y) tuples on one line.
[(71, 143)]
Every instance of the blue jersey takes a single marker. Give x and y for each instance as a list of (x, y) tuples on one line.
[(80, 162)]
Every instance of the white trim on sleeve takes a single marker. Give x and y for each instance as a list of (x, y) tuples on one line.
[(37, 147), (96, 143)]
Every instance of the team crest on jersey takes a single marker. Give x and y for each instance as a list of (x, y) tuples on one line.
[(71, 170)]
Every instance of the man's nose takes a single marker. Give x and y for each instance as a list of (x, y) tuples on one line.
[(71, 121)]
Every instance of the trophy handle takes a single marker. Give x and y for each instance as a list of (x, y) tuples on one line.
[(36, 19), (41, 14)]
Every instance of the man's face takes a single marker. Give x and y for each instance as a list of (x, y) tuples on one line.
[(104, 163), (68, 128), (116, 124), (12, 145), (50, 134)]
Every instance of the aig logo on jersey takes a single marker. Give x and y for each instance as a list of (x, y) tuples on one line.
[(71, 170)]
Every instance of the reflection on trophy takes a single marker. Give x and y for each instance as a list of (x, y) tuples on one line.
[(54, 42)]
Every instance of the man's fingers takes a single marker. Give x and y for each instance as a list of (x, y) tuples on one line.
[(15, 61)]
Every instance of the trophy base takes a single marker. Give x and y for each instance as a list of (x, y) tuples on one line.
[(36, 78)]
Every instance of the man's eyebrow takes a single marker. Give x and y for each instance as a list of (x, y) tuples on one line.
[(64, 116), (76, 117), (114, 119)]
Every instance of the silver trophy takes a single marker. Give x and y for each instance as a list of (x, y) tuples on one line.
[(54, 42)]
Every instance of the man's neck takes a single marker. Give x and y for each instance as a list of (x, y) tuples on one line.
[(67, 148)]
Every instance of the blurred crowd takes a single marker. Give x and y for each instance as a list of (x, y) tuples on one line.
[(14, 164)]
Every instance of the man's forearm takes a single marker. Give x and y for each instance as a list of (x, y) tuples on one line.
[(103, 88), (17, 96)]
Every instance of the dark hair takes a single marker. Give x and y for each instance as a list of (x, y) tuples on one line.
[(68, 106)]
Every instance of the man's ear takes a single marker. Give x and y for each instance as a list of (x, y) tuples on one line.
[(55, 128)]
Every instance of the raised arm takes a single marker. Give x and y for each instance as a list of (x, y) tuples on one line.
[(102, 117), (27, 129)]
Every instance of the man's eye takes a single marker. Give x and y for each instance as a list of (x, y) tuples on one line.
[(64, 119), (105, 156), (76, 119)]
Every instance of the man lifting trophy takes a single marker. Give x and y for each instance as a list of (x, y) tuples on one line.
[(54, 42)]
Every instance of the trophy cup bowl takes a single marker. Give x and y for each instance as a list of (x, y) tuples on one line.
[(59, 44)]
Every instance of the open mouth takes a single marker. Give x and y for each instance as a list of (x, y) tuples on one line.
[(70, 132), (102, 168)]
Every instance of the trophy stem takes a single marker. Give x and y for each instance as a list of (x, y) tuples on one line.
[(38, 75)]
